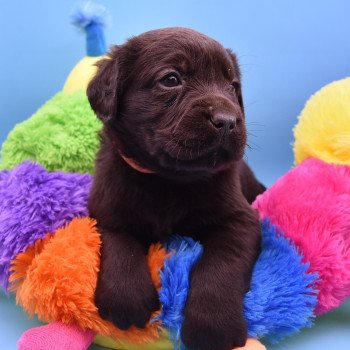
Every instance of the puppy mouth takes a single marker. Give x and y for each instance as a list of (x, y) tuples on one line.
[(212, 158), (186, 153), (211, 163)]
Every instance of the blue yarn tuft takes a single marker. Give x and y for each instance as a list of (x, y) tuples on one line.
[(175, 284), (281, 299), (280, 302), (92, 18)]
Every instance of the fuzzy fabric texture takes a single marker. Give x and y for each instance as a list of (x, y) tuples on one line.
[(61, 136), (282, 296), (87, 13), (175, 284), (34, 203), (323, 128), (281, 299), (56, 336), (92, 18), (311, 205), (55, 283)]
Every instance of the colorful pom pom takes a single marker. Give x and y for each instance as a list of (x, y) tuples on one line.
[(33, 204)]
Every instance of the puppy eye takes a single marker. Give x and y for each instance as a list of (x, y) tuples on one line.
[(170, 80), (235, 85)]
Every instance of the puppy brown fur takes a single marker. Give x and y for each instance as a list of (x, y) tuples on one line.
[(171, 100)]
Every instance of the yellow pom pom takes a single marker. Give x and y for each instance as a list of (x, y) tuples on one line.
[(81, 74), (323, 130)]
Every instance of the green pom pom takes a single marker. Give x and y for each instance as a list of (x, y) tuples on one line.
[(61, 136)]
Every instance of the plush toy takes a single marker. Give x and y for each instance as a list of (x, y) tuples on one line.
[(62, 135), (53, 248), (49, 248), (54, 260)]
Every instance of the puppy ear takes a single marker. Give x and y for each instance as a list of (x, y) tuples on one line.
[(103, 88), (238, 73)]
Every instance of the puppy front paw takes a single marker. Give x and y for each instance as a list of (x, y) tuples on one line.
[(131, 304), (211, 327)]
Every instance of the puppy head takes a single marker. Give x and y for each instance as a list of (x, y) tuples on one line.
[(171, 100)]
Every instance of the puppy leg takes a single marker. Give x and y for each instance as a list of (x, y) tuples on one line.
[(251, 187), (214, 310), (125, 294)]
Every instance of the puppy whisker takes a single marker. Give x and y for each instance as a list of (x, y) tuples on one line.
[(254, 123), (251, 134), (253, 146)]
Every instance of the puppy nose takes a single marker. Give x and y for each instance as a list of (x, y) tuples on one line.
[(223, 121)]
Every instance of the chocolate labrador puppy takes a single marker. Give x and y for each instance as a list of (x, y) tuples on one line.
[(170, 162)]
